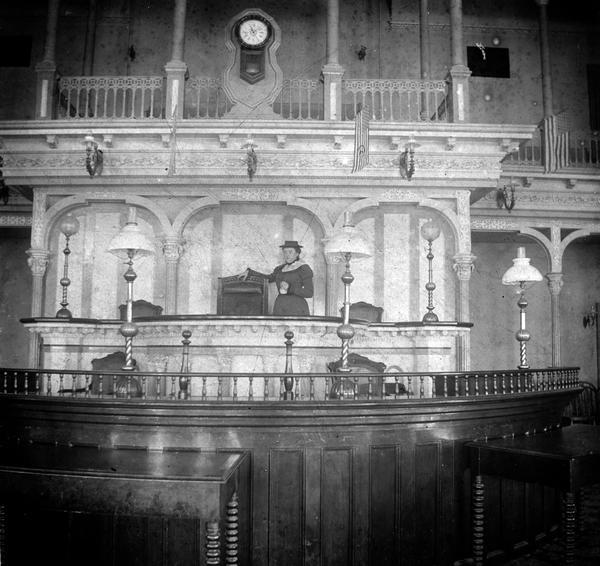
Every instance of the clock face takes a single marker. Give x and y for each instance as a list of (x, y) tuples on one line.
[(253, 32)]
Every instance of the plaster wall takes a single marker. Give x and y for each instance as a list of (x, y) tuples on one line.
[(15, 296), (389, 34), (495, 314)]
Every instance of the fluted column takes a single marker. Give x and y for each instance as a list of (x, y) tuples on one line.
[(176, 69), (38, 262), (463, 266), (172, 252), (46, 68), (555, 283), (332, 70), (545, 57), (459, 72)]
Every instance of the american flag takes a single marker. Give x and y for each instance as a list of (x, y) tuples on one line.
[(556, 144), (361, 139)]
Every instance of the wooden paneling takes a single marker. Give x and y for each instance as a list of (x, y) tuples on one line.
[(348, 483), (286, 507), (336, 507)]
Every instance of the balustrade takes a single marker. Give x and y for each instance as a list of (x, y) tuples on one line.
[(110, 97), (396, 100), (260, 387)]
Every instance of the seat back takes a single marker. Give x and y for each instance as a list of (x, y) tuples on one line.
[(364, 311), (112, 363), (243, 297), (585, 407), (358, 364), (140, 308)]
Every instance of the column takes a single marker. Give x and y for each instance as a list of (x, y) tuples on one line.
[(463, 266), (545, 57), (424, 38), (38, 262), (90, 40), (176, 69), (332, 70), (555, 283), (46, 69), (458, 107), (172, 252)]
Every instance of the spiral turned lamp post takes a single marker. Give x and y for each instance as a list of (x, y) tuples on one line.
[(131, 242), (524, 275), (430, 232), (69, 227), (346, 244)]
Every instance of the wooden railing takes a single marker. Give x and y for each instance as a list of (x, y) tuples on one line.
[(283, 386), (110, 97)]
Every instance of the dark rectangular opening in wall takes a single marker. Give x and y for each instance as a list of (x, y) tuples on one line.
[(488, 61), (15, 51), (593, 76)]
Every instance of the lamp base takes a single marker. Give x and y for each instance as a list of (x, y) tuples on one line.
[(430, 318), (64, 313)]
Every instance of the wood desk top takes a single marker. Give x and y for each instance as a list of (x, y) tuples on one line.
[(567, 458)]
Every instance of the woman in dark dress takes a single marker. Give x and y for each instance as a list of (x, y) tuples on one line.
[(294, 280)]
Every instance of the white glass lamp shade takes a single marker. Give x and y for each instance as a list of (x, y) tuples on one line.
[(348, 240), (430, 231), (521, 271), (69, 225), (131, 238)]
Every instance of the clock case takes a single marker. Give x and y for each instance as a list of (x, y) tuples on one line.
[(252, 57)]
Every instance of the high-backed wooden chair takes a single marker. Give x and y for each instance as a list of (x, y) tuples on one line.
[(344, 384), (364, 311), (108, 365), (243, 297), (140, 308), (585, 408)]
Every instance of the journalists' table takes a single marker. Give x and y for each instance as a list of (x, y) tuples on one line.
[(567, 459)]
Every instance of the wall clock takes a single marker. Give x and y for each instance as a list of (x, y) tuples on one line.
[(253, 33)]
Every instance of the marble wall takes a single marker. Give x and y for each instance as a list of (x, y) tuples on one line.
[(223, 240)]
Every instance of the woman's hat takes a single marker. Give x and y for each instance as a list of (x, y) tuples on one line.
[(291, 244)]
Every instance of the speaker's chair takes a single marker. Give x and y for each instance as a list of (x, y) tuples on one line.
[(243, 297)]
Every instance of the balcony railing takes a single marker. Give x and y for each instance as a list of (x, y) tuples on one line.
[(261, 387), (583, 150), (111, 97), (299, 99), (396, 100)]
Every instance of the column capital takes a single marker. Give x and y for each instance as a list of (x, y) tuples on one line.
[(555, 282), (542, 2), (172, 249), (463, 265), (38, 261)]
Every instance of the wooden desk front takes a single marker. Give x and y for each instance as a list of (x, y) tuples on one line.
[(566, 458), (208, 487)]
